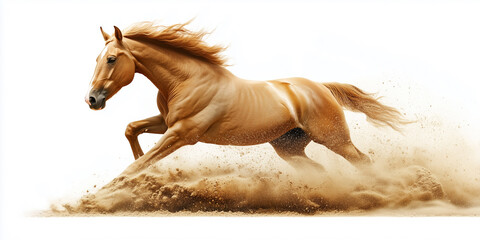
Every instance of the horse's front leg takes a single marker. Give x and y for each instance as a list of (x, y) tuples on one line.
[(154, 124), (182, 133)]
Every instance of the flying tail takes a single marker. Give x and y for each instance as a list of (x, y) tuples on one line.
[(355, 99)]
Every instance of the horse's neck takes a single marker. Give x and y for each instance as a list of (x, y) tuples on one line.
[(167, 69), (155, 63)]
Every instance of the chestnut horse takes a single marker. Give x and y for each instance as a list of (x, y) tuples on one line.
[(201, 101)]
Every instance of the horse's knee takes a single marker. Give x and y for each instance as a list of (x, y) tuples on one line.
[(130, 131)]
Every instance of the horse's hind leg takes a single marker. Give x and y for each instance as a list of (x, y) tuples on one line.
[(291, 147), (331, 130)]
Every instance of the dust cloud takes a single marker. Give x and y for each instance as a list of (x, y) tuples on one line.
[(255, 180), (224, 190), (429, 169)]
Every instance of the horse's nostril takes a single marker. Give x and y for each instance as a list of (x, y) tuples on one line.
[(91, 100)]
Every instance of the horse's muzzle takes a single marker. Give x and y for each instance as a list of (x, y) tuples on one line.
[(96, 100)]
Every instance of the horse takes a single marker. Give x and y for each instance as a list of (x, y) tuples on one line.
[(201, 101)]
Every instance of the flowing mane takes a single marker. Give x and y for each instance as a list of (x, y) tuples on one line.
[(177, 36)]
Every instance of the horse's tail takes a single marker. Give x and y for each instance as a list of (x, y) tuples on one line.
[(355, 99)]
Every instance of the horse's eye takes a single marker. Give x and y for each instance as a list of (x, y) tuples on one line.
[(111, 59)]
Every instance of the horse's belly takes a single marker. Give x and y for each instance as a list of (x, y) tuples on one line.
[(247, 134)]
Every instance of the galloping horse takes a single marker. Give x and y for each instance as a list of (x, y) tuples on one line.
[(201, 101)]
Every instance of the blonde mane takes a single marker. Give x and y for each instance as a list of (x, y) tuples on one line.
[(178, 37)]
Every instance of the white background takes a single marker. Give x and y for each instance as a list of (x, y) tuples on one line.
[(53, 147)]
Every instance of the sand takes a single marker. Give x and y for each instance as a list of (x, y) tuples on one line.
[(181, 190), (253, 181)]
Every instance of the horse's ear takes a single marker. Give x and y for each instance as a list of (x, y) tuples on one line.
[(104, 34), (118, 33)]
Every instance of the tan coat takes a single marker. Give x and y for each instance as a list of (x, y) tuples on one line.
[(200, 100)]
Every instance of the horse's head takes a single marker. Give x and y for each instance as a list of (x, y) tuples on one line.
[(115, 69)]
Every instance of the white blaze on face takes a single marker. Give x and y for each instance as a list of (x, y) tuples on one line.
[(87, 95), (105, 50), (102, 54)]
